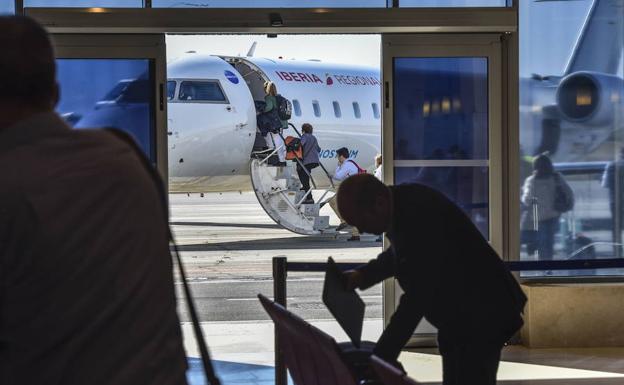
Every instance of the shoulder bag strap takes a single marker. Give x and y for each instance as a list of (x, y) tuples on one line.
[(199, 335)]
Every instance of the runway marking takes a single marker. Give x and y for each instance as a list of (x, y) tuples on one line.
[(298, 298), (268, 281), (254, 299)]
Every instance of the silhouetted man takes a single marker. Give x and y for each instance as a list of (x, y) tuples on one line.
[(86, 284), (448, 271)]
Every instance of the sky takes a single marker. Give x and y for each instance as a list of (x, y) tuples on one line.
[(346, 49)]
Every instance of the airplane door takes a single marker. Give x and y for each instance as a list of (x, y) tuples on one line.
[(116, 81), (443, 128)]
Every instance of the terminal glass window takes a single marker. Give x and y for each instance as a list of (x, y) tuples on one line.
[(296, 107), (356, 110), (84, 3), (455, 3), (317, 108), (120, 95), (269, 4), (571, 112), (337, 111), (441, 129), (201, 91), (7, 7)]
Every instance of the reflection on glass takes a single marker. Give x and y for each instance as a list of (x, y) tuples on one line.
[(84, 3), (468, 187), (572, 109), (440, 102), (455, 3), (7, 7), (268, 4), (115, 93), (441, 129)]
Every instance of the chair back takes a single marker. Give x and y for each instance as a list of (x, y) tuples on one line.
[(311, 356), (388, 374)]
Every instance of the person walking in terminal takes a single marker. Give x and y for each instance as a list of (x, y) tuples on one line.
[(345, 168), (86, 281), (310, 159), (449, 274), (547, 195)]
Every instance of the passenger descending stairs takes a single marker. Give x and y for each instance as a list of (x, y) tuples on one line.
[(278, 191)]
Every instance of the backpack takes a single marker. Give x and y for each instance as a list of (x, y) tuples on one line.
[(360, 170), (564, 202), (284, 107), (268, 122), (293, 148)]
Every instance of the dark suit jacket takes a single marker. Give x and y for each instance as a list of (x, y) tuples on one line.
[(448, 271), (86, 281)]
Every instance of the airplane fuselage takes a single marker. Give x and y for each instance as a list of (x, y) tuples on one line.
[(211, 136)]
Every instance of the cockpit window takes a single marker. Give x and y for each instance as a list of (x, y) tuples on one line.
[(129, 91), (201, 91), (171, 86)]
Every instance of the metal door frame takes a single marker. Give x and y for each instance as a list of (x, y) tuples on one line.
[(91, 46), (494, 47)]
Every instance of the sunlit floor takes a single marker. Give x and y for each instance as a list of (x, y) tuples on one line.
[(541, 366), (426, 368), (238, 362)]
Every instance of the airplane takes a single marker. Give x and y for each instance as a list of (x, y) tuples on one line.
[(212, 115), (576, 112), (341, 102)]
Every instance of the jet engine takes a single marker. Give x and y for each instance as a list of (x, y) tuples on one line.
[(590, 98)]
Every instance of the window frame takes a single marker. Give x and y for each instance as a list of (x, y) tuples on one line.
[(125, 46), (299, 20)]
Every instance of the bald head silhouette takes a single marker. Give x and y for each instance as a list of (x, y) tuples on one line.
[(366, 203), (27, 67)]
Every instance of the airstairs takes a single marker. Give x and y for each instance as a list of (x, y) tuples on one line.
[(279, 192)]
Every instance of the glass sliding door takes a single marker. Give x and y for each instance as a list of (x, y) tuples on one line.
[(115, 81), (442, 125)]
